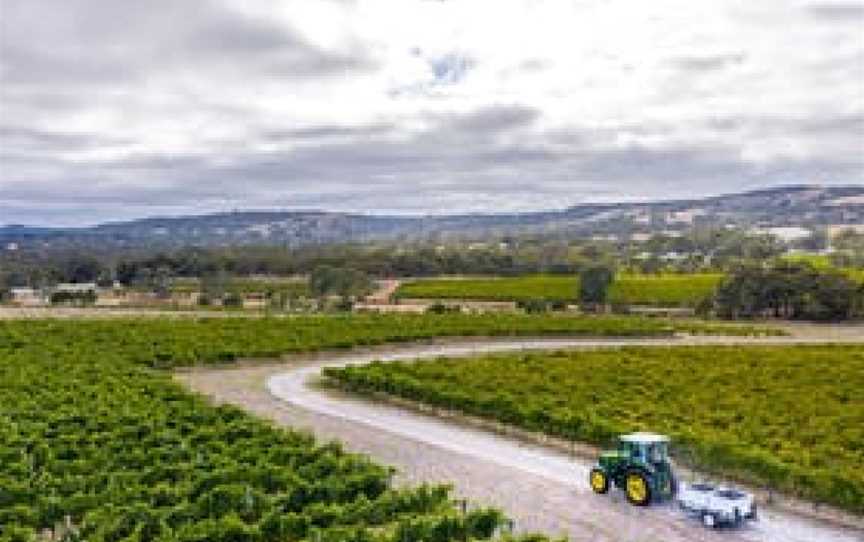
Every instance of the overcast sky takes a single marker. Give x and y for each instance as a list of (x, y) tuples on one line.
[(121, 109)]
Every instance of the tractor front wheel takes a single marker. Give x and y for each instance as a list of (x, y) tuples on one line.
[(598, 480), (637, 488)]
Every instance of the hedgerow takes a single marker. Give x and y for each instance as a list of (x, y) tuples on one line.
[(790, 418)]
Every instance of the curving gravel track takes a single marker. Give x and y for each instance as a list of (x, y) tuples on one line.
[(542, 489)]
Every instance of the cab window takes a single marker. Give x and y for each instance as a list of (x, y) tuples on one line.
[(657, 453)]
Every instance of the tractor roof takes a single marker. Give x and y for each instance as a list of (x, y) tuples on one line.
[(644, 438)]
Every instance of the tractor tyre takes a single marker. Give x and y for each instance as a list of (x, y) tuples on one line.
[(673, 485), (598, 481), (637, 488)]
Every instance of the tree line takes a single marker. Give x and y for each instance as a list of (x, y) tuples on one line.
[(779, 289), (696, 251), (788, 290)]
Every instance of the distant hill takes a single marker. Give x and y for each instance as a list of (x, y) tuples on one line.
[(803, 206)]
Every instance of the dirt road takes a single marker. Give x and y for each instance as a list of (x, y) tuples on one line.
[(542, 489), (384, 292)]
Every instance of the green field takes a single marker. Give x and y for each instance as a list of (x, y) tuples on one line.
[(663, 290), (789, 418), (856, 274), (667, 290), (92, 427), (819, 261)]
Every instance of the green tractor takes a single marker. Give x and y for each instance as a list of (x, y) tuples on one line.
[(640, 467)]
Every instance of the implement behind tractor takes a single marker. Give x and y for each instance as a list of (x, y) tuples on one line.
[(640, 466)]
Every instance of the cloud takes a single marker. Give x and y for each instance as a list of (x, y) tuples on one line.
[(850, 12), (494, 118), (709, 63), (96, 42), (114, 110), (326, 131), (42, 140)]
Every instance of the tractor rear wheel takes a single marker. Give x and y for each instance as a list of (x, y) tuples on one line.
[(598, 480), (673, 485), (754, 512), (637, 488)]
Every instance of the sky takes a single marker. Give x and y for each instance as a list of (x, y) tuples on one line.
[(116, 110)]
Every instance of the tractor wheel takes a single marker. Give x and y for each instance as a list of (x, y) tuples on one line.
[(754, 512), (598, 480), (673, 485), (637, 488), (709, 520)]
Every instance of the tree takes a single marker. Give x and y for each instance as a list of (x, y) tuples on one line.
[(849, 249), (81, 268), (158, 280), (793, 290), (215, 284), (346, 282), (594, 282)]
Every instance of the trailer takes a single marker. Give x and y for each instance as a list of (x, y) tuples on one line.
[(717, 506), (641, 467)]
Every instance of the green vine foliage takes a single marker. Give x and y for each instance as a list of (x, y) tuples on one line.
[(98, 443), (662, 290), (790, 418)]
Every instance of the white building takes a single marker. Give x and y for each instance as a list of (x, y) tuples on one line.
[(687, 216), (76, 287), (786, 233), (27, 297), (835, 230)]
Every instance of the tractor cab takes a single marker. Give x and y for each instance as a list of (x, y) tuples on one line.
[(640, 466), (646, 448)]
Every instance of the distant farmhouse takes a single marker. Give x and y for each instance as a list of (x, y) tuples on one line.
[(27, 297), (786, 234), (75, 287), (835, 230)]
